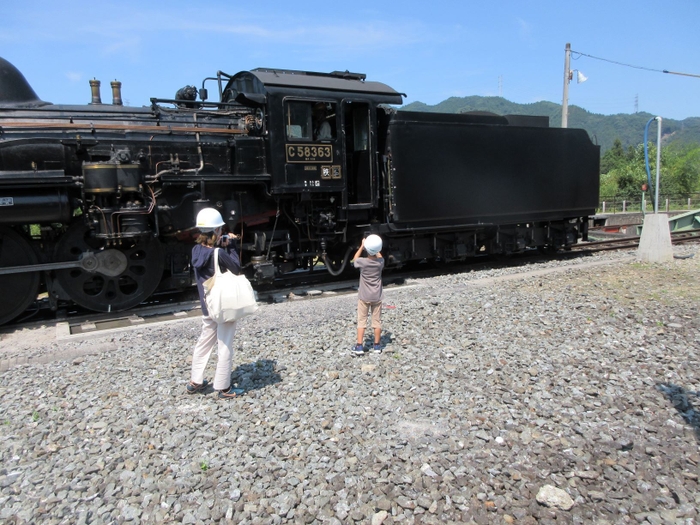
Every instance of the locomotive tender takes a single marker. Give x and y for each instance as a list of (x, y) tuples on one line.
[(97, 201)]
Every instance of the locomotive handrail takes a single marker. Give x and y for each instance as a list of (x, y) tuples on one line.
[(138, 127), (481, 225), (35, 176), (192, 104), (219, 74)]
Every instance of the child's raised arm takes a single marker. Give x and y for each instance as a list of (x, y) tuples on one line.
[(359, 250)]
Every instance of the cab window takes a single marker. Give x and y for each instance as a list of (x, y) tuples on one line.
[(310, 120), (298, 120)]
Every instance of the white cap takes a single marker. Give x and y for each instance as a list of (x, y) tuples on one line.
[(209, 219), (373, 244)]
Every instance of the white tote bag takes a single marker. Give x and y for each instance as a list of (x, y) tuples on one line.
[(229, 297)]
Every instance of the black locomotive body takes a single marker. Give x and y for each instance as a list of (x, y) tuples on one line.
[(97, 202)]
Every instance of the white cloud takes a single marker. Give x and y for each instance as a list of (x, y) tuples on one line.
[(74, 76), (308, 33), (524, 29), (130, 45)]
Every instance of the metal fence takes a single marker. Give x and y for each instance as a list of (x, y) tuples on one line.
[(645, 203)]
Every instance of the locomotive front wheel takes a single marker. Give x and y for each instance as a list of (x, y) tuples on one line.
[(127, 275), (19, 290)]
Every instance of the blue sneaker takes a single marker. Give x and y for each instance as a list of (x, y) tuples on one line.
[(376, 348), (230, 392), (193, 388), (358, 350)]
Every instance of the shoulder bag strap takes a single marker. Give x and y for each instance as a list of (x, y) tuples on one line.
[(217, 271)]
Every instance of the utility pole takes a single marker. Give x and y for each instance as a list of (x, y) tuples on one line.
[(567, 78)]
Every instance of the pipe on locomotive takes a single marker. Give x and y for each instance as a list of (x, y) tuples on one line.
[(329, 267), (195, 171), (95, 88), (116, 92)]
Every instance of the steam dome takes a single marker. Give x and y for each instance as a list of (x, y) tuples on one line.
[(14, 88)]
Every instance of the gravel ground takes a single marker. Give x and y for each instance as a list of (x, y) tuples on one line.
[(560, 392)]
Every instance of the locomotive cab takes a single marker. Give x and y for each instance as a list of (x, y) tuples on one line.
[(320, 127), (320, 130)]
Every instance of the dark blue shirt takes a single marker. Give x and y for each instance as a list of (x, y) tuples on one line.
[(203, 264)]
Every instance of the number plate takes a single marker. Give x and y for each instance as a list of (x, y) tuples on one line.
[(307, 153), (6, 201)]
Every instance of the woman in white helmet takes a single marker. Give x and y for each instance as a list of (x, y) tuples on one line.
[(209, 223), (370, 293)]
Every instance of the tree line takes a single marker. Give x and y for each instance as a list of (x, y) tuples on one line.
[(624, 173)]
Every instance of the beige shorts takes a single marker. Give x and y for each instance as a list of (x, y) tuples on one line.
[(363, 309)]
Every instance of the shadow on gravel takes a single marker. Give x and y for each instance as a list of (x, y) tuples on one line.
[(682, 401), (386, 337), (258, 375)]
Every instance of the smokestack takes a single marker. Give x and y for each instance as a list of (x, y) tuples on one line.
[(95, 88), (116, 93)]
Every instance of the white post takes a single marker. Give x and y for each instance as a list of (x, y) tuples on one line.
[(658, 163), (624, 206), (567, 75), (655, 241), (603, 206)]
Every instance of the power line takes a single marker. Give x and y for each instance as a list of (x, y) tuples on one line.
[(632, 66)]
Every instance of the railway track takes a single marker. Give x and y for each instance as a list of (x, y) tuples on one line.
[(620, 243), (73, 322)]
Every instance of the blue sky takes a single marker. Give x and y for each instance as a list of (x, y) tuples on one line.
[(429, 50)]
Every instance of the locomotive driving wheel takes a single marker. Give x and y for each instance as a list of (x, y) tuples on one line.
[(19, 290), (125, 277)]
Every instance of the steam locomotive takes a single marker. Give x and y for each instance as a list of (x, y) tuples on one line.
[(98, 201)]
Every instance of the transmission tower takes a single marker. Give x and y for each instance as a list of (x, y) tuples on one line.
[(636, 103)]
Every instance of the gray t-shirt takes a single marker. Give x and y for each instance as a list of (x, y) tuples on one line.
[(371, 290)]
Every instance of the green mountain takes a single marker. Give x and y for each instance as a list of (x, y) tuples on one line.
[(603, 129)]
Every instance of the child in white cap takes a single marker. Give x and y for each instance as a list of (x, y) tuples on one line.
[(370, 293)]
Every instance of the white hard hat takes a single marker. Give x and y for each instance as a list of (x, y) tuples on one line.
[(209, 219), (373, 244)]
